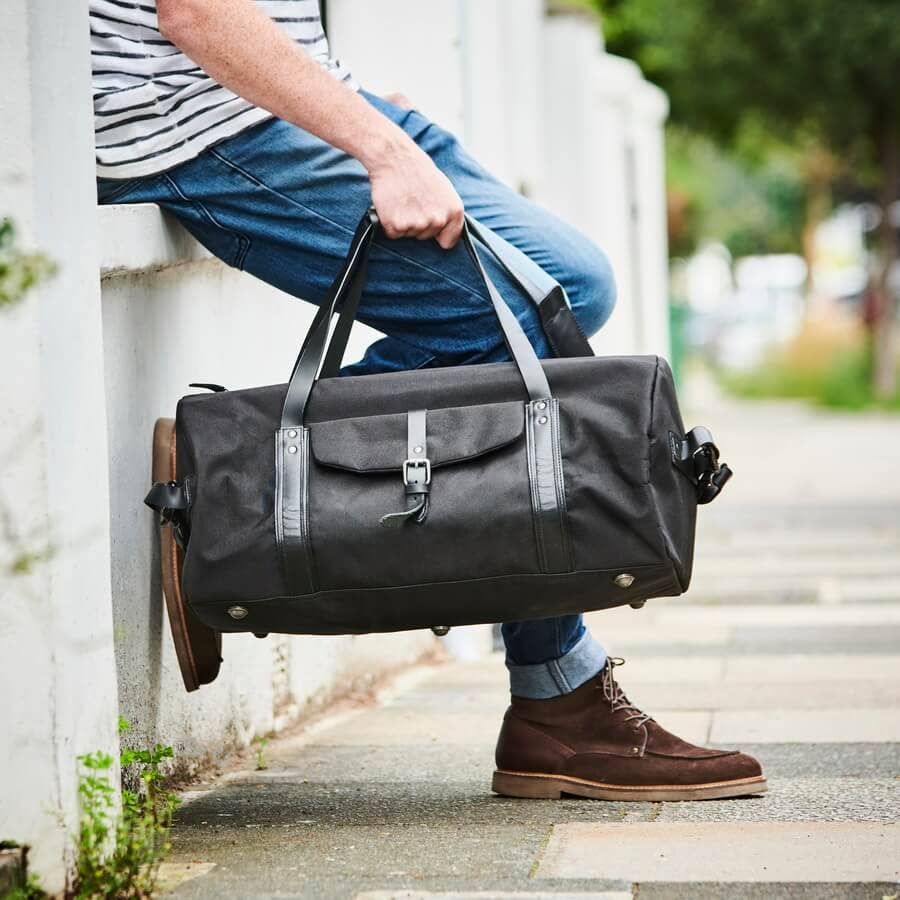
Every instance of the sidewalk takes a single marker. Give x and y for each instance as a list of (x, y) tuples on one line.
[(788, 646)]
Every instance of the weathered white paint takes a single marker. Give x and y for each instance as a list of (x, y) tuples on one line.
[(163, 329), (58, 698), (87, 369)]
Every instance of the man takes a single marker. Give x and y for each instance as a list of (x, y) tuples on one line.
[(232, 115)]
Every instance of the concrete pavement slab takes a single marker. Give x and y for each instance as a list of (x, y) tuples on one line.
[(725, 851), (799, 799), (791, 668), (855, 641), (828, 761), (865, 561), (723, 695), (776, 616), (493, 895), (816, 890), (271, 859), (806, 726), (302, 807)]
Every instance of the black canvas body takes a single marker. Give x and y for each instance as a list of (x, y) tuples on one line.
[(535, 506)]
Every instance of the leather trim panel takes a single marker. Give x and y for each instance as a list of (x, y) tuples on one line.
[(291, 509), (548, 495)]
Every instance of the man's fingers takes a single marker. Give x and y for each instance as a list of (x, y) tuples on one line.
[(421, 228), (449, 235)]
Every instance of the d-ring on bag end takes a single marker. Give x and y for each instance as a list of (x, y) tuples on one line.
[(416, 473)]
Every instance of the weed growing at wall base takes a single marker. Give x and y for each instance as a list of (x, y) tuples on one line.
[(119, 851)]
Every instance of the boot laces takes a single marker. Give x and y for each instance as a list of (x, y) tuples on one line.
[(618, 702)]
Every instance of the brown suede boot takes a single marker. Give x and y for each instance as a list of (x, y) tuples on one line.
[(594, 743)]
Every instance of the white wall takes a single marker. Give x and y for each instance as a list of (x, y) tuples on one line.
[(58, 698)]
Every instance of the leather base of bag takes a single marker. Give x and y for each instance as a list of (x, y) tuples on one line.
[(198, 647)]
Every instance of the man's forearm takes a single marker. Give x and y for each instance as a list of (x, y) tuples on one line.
[(244, 50)]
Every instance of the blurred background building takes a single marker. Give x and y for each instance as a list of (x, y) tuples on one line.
[(111, 337)]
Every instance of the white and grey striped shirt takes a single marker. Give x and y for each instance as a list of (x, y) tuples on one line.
[(154, 108)]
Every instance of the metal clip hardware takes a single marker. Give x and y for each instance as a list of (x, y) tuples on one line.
[(697, 456)]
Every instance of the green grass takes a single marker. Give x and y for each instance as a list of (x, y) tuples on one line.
[(842, 381)]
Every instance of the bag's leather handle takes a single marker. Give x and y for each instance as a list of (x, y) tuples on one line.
[(541, 299), (345, 294)]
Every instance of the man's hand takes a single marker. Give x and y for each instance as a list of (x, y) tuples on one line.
[(244, 50), (413, 198)]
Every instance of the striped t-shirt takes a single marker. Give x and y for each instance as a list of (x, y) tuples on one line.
[(154, 108)]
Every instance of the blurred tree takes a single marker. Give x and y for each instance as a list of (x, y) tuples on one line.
[(823, 73), (712, 194)]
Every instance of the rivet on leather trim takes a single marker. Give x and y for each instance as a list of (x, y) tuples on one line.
[(237, 612), (625, 580), (292, 434), (542, 420), (292, 449)]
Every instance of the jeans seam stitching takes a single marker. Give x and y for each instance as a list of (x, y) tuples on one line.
[(413, 262), (243, 241)]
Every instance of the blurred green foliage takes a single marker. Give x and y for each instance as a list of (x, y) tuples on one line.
[(826, 67), (827, 365), (775, 87), (19, 271), (757, 208)]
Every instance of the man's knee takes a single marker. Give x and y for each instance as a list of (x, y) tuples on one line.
[(591, 287)]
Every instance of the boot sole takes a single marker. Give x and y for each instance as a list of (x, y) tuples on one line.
[(198, 648), (532, 785)]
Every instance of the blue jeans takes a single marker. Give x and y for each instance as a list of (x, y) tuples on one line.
[(282, 204)]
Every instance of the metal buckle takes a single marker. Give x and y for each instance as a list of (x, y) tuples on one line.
[(410, 464)]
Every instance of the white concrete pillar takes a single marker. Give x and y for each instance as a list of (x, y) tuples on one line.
[(606, 174), (523, 61), (56, 639), (650, 109), (404, 46)]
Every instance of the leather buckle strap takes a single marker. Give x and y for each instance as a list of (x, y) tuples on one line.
[(172, 501), (416, 471), (697, 457)]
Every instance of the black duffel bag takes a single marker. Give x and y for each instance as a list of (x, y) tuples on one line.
[(437, 497)]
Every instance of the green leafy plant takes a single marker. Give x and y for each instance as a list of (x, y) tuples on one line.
[(119, 851), (32, 890), (261, 743), (19, 271)]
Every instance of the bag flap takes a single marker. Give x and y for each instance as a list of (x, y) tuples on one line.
[(378, 443)]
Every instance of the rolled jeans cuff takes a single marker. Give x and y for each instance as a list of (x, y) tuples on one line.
[(556, 677)]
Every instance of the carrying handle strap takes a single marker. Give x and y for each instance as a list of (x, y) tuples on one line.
[(542, 300), (345, 295)]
